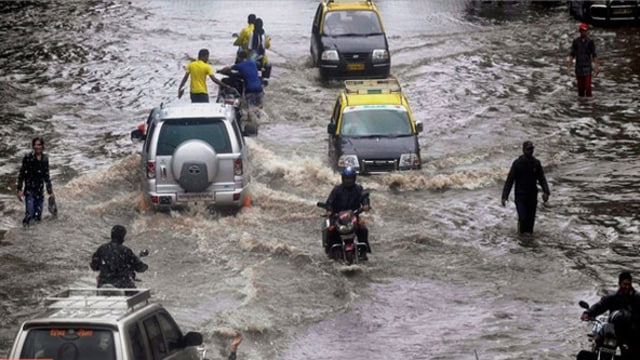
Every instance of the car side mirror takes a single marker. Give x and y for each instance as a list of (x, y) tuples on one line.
[(331, 128), (235, 35), (144, 253), (192, 338), (138, 135), (419, 126)]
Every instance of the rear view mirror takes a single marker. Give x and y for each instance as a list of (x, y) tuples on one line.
[(192, 338), (331, 128), (138, 135), (583, 304), (419, 126)]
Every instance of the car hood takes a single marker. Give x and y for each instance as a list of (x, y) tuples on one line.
[(354, 43), (378, 147)]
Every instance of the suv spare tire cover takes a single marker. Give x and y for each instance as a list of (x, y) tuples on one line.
[(194, 165)]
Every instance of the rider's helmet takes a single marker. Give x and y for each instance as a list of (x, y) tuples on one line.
[(348, 177), (117, 233)]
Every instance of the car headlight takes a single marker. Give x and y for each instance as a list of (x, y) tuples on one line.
[(349, 160), (409, 160), (330, 55), (345, 229), (380, 55)]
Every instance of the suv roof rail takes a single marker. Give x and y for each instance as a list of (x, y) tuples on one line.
[(100, 298), (371, 86)]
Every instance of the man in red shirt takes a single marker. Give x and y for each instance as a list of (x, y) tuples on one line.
[(583, 50)]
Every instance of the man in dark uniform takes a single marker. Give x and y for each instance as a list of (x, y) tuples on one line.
[(348, 196), (117, 263), (34, 172), (526, 172), (583, 50), (628, 300)]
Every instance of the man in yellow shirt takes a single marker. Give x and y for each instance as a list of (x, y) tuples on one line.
[(199, 69), (242, 41)]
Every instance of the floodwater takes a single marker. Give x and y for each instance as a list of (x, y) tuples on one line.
[(449, 278)]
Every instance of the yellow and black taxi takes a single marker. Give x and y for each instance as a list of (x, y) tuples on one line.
[(348, 40), (372, 129)]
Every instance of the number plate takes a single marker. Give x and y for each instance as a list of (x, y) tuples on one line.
[(355, 67), (185, 197)]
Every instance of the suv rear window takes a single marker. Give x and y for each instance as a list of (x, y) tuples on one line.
[(69, 343), (176, 131)]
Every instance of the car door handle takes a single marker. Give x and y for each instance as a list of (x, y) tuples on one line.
[(163, 171)]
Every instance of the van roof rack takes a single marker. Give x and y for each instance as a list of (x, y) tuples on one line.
[(101, 298), (371, 86)]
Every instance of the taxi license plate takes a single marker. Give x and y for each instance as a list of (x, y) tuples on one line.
[(355, 67), (185, 197)]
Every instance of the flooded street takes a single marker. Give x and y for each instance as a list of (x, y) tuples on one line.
[(449, 277)]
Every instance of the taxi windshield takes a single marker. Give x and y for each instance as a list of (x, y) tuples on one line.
[(341, 23), (69, 343), (376, 121)]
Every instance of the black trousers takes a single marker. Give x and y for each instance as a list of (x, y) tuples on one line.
[(526, 207)]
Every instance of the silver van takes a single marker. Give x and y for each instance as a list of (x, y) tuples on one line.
[(194, 153), (95, 324)]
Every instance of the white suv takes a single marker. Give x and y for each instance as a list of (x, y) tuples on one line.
[(194, 153), (86, 324)]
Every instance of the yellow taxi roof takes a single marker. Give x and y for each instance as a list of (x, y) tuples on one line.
[(394, 98), (363, 5), (373, 92)]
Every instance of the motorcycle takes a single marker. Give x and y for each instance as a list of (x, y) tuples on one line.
[(247, 115), (603, 338), (346, 223)]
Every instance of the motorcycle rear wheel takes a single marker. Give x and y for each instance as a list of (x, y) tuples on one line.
[(350, 257), (335, 253)]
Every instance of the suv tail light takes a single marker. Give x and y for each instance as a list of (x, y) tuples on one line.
[(237, 167), (151, 169)]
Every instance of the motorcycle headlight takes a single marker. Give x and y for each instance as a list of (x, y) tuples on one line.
[(349, 161), (330, 55), (380, 55), (346, 228), (610, 342), (409, 160)]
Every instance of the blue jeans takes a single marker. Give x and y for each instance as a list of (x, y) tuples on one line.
[(33, 206)]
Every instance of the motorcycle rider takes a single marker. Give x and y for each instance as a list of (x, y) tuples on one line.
[(347, 196), (242, 41), (626, 323), (257, 47), (248, 69), (117, 263)]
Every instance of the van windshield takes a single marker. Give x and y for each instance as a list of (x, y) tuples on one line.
[(351, 22), (176, 131), (68, 343), (388, 121)]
